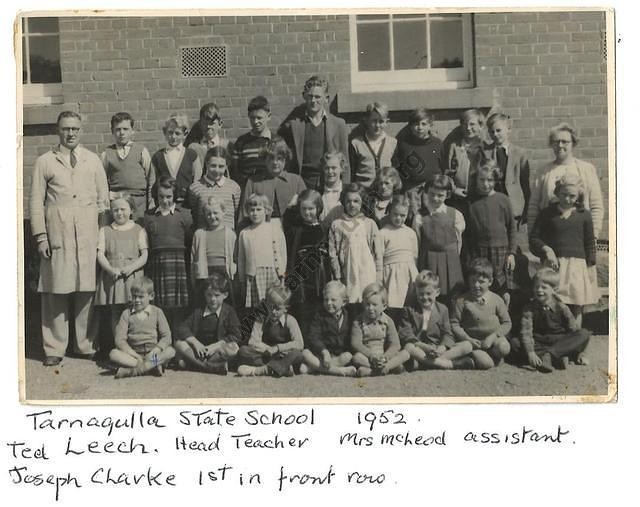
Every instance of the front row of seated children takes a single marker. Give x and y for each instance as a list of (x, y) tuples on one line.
[(421, 336)]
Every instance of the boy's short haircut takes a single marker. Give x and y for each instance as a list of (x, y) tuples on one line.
[(166, 182), (440, 182), (213, 203), (143, 284), (353, 188), (277, 148), (548, 276), (419, 114), (216, 282), (217, 151), (259, 103), (472, 113), (334, 154), (489, 168), (377, 107), (426, 278), (279, 294), (496, 117), (314, 197), (338, 287), (314, 81), (127, 197), (480, 267), (374, 289), (260, 199), (177, 120), (120, 117), (68, 114), (207, 109)]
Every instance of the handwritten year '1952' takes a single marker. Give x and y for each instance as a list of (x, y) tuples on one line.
[(381, 417)]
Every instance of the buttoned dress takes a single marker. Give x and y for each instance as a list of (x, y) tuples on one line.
[(65, 203)]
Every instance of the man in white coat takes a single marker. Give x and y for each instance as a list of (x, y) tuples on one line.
[(68, 194)]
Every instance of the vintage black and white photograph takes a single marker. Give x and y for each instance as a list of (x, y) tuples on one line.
[(408, 205)]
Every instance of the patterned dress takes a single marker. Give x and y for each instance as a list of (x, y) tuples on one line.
[(121, 246)]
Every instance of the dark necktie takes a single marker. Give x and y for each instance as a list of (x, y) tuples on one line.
[(501, 159), (72, 158)]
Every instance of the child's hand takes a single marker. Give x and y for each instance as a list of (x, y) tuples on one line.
[(199, 349), (44, 250), (325, 362), (511, 262), (126, 271), (460, 192), (488, 342), (551, 258), (534, 360), (115, 273), (273, 350)]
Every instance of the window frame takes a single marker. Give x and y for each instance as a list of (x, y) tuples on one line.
[(37, 93), (414, 79)]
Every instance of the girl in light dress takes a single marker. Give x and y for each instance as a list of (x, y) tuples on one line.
[(262, 251), (122, 253), (400, 252), (355, 251), (563, 236)]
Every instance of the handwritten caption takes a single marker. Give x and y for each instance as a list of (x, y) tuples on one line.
[(166, 449)]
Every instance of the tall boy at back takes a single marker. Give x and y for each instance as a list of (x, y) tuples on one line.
[(128, 165), (247, 161), (313, 131)]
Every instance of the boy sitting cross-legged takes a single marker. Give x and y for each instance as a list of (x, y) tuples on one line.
[(206, 339), (329, 335), (481, 317), (425, 331), (142, 335)]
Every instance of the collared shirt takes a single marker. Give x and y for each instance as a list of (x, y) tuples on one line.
[(426, 316), (208, 312), (330, 198), (174, 156), (163, 212), (66, 153), (140, 314), (315, 122), (211, 183), (123, 151)]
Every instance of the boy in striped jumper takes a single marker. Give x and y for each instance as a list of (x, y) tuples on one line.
[(248, 148)]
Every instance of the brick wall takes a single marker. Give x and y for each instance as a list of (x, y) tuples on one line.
[(546, 68), (542, 67)]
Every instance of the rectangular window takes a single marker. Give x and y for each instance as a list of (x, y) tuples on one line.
[(410, 51), (41, 75)]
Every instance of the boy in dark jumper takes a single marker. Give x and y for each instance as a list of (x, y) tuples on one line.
[(329, 336), (176, 161), (206, 340)]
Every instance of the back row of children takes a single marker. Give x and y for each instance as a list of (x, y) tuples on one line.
[(282, 222)]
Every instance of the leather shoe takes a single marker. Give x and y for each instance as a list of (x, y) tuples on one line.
[(52, 361)]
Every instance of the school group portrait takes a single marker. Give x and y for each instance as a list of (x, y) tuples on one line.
[(406, 204)]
